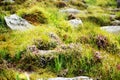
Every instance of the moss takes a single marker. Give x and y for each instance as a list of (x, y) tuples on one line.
[(7, 74), (118, 15), (101, 20), (35, 15), (78, 4), (45, 45)]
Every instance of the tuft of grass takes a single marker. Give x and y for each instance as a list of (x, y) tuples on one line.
[(58, 63), (40, 16)]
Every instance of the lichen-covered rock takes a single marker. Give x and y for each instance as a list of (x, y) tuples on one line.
[(70, 11), (8, 1), (75, 22), (15, 22), (75, 78), (55, 38), (111, 29)]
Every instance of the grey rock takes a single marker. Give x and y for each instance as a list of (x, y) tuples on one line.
[(15, 22), (66, 0), (75, 78), (70, 11), (8, 1), (45, 52), (71, 46), (55, 38), (32, 49), (115, 23), (118, 3), (75, 22), (111, 29)]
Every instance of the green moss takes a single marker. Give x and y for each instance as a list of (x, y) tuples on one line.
[(38, 13)]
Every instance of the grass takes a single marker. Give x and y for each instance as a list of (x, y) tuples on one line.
[(79, 60)]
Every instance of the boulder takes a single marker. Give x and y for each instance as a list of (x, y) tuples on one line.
[(15, 22), (8, 1), (75, 78), (111, 29), (70, 11), (75, 22)]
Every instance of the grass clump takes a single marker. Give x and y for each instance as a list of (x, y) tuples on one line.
[(34, 15), (60, 4), (7, 74), (78, 4), (45, 45), (102, 3), (100, 20)]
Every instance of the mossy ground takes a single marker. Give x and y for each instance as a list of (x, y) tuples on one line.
[(15, 60)]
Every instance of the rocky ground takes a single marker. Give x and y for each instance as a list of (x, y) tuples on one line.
[(59, 40)]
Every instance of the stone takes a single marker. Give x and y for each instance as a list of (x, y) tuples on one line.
[(115, 23), (111, 29), (71, 46), (70, 11), (32, 49), (118, 3), (74, 78), (8, 1), (75, 22), (15, 22), (55, 38), (45, 52)]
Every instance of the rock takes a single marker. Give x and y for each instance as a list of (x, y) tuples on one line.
[(71, 46), (118, 3), (70, 11), (55, 38), (75, 22), (15, 22), (32, 49), (111, 29), (45, 52), (75, 78), (115, 23), (66, 0), (8, 1)]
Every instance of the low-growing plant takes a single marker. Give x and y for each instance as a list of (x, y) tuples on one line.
[(100, 20), (38, 13), (60, 4), (45, 45), (58, 63)]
